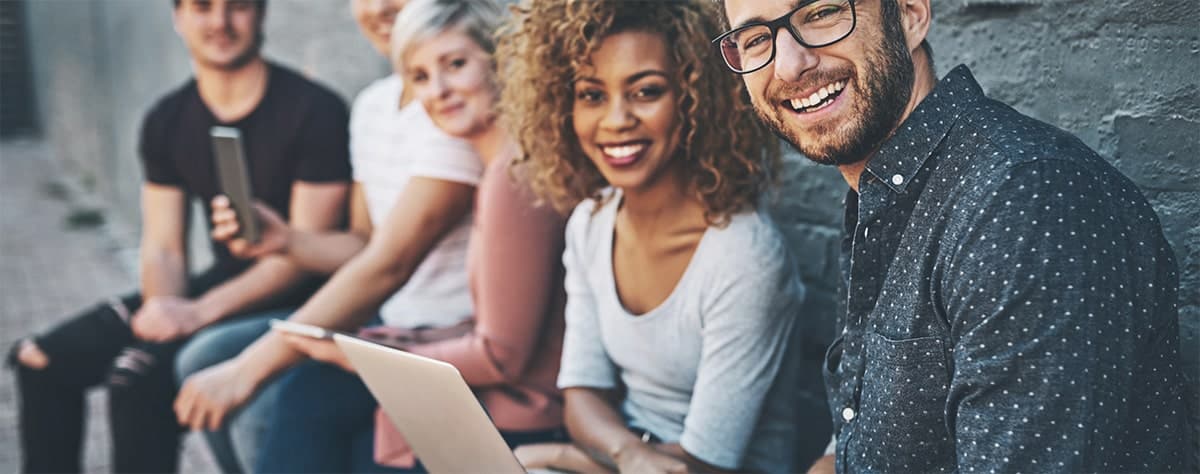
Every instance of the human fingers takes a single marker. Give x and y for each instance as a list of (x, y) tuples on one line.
[(220, 201), (184, 402)]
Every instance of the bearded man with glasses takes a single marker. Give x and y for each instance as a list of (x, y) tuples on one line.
[(1011, 299)]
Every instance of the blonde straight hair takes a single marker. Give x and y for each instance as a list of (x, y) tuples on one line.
[(423, 19)]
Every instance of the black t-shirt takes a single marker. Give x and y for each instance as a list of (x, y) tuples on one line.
[(298, 132)]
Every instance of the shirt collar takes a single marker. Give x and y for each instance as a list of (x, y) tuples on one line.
[(903, 155)]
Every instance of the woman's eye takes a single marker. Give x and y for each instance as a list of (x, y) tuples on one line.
[(458, 63), (589, 97), (418, 78), (649, 93)]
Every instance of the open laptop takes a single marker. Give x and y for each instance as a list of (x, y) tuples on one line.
[(431, 405)]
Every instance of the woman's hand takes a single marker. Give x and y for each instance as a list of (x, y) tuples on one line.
[(641, 457), (322, 350), (558, 456), (274, 238), (210, 395)]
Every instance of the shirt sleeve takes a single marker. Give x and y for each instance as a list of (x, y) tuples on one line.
[(152, 148), (511, 307), (440, 156), (324, 142), (585, 362), (1049, 296), (747, 327)]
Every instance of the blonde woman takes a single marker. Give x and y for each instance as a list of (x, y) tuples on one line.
[(325, 419)]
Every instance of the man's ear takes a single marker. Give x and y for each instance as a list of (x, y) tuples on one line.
[(915, 17)]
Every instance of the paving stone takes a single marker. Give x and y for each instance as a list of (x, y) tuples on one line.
[(49, 272)]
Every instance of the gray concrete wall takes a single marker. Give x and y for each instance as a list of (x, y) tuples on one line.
[(1124, 75)]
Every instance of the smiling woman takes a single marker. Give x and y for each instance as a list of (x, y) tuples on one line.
[(731, 158), (626, 114)]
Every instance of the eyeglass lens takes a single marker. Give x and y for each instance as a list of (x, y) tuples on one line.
[(819, 23)]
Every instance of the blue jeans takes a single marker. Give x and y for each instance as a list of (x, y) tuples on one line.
[(235, 445), (325, 422)]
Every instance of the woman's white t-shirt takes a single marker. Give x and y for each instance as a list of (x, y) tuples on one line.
[(388, 146), (708, 368)]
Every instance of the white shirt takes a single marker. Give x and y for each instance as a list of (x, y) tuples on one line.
[(388, 146), (707, 367)]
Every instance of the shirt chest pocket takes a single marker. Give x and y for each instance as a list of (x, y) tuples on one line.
[(904, 390)]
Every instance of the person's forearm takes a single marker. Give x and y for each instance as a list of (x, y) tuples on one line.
[(323, 252), (595, 425), (344, 302), (266, 357), (353, 295), (163, 273), (266, 278)]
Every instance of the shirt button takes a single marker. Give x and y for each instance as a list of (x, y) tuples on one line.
[(897, 180), (866, 231), (848, 414)]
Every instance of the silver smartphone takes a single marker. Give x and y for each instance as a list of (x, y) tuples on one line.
[(235, 178)]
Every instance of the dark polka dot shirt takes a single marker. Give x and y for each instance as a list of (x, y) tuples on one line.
[(1011, 304)]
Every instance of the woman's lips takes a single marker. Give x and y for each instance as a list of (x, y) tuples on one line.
[(625, 153), (450, 109)]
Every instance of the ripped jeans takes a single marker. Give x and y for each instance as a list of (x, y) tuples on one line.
[(97, 348)]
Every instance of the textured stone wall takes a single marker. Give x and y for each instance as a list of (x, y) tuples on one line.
[(1122, 75)]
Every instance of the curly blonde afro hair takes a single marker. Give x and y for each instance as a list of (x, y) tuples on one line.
[(731, 157)]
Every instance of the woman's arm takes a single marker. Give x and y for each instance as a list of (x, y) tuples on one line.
[(516, 280), (326, 252), (597, 427), (424, 213), (426, 210), (314, 250)]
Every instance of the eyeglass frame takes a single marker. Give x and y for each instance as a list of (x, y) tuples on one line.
[(785, 23)]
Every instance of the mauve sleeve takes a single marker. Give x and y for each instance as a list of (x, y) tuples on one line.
[(513, 281)]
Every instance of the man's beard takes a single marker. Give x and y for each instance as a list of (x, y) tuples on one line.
[(884, 89)]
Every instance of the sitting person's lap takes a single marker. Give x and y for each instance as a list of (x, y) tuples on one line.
[(235, 446), (323, 422)]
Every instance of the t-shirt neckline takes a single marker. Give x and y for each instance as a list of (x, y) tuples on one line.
[(267, 91), (612, 275)]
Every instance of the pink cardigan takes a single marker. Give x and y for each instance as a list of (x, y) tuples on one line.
[(511, 358)]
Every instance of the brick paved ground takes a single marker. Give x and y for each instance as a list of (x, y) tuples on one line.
[(50, 269)]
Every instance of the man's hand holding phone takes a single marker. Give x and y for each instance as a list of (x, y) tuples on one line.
[(275, 235)]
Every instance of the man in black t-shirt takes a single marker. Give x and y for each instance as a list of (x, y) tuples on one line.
[(296, 143)]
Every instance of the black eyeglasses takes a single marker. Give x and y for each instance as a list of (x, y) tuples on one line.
[(814, 24)]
